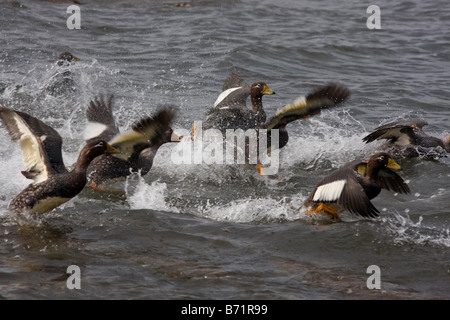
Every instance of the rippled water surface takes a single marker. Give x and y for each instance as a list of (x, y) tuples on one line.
[(198, 231)]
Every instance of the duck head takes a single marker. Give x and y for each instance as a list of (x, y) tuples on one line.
[(66, 58), (94, 149), (259, 89)]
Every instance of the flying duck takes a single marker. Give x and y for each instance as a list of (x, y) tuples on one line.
[(138, 146), (407, 139), (62, 82), (352, 187), (41, 147), (230, 110)]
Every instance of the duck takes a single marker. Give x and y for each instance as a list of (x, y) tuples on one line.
[(66, 58), (62, 82), (233, 114), (41, 145), (351, 187), (230, 110), (138, 146), (406, 138)]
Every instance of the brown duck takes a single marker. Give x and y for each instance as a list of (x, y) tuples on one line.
[(352, 187), (41, 147)]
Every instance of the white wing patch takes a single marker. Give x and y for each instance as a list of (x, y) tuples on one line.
[(330, 191), (94, 129), (225, 94), (31, 150)]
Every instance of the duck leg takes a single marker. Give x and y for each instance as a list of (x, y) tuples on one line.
[(325, 209)]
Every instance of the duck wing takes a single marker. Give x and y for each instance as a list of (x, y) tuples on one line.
[(235, 92), (303, 107), (40, 144), (234, 80), (344, 188), (144, 133), (389, 180), (101, 123), (399, 132), (355, 200)]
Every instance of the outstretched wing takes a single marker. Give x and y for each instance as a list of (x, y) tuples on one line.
[(342, 187), (355, 200), (389, 180), (233, 80), (235, 92), (101, 123), (144, 133), (325, 97), (40, 144), (400, 132)]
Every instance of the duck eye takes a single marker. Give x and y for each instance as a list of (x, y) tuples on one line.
[(100, 144)]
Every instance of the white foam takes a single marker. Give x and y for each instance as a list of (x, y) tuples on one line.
[(11, 179), (253, 210), (405, 231), (320, 141), (147, 196)]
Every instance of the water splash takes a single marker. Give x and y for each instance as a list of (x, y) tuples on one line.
[(252, 211), (329, 140), (141, 195), (405, 231)]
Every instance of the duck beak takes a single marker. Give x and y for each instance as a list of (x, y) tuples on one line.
[(393, 165), (75, 58), (175, 138), (111, 150), (267, 90)]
